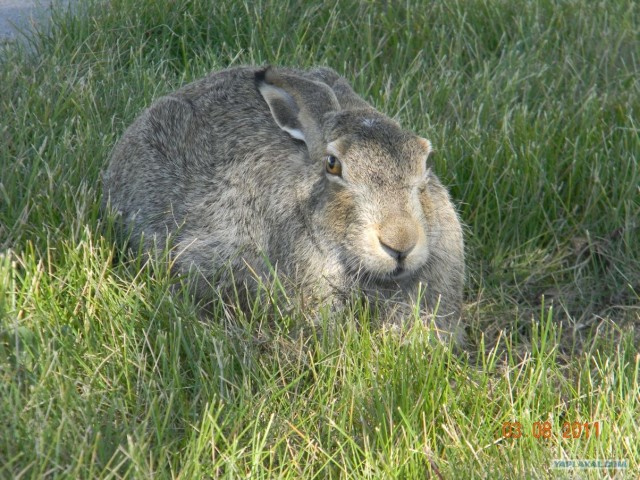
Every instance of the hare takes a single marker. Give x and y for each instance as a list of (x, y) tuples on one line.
[(252, 170)]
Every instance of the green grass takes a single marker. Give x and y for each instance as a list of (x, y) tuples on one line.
[(107, 370)]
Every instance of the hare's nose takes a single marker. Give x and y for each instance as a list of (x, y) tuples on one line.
[(398, 237), (397, 255)]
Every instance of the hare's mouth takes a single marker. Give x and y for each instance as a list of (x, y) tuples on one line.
[(399, 273)]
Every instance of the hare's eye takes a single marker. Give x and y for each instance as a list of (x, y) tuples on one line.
[(333, 165)]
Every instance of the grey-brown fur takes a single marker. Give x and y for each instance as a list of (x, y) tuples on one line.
[(219, 173)]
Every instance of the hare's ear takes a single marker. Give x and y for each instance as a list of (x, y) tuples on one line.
[(283, 108), (348, 99), (425, 145), (297, 104)]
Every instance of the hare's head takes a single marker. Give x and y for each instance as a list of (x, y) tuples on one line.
[(376, 203)]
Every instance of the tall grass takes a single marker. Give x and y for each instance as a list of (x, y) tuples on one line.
[(107, 369)]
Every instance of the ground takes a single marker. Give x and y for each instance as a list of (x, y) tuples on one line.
[(16, 15)]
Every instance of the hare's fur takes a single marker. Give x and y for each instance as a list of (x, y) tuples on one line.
[(231, 170)]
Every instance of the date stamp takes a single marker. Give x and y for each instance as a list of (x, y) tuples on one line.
[(546, 430)]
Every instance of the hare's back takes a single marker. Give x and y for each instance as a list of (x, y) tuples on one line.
[(184, 146), (230, 121)]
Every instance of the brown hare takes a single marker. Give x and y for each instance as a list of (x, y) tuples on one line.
[(252, 170)]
